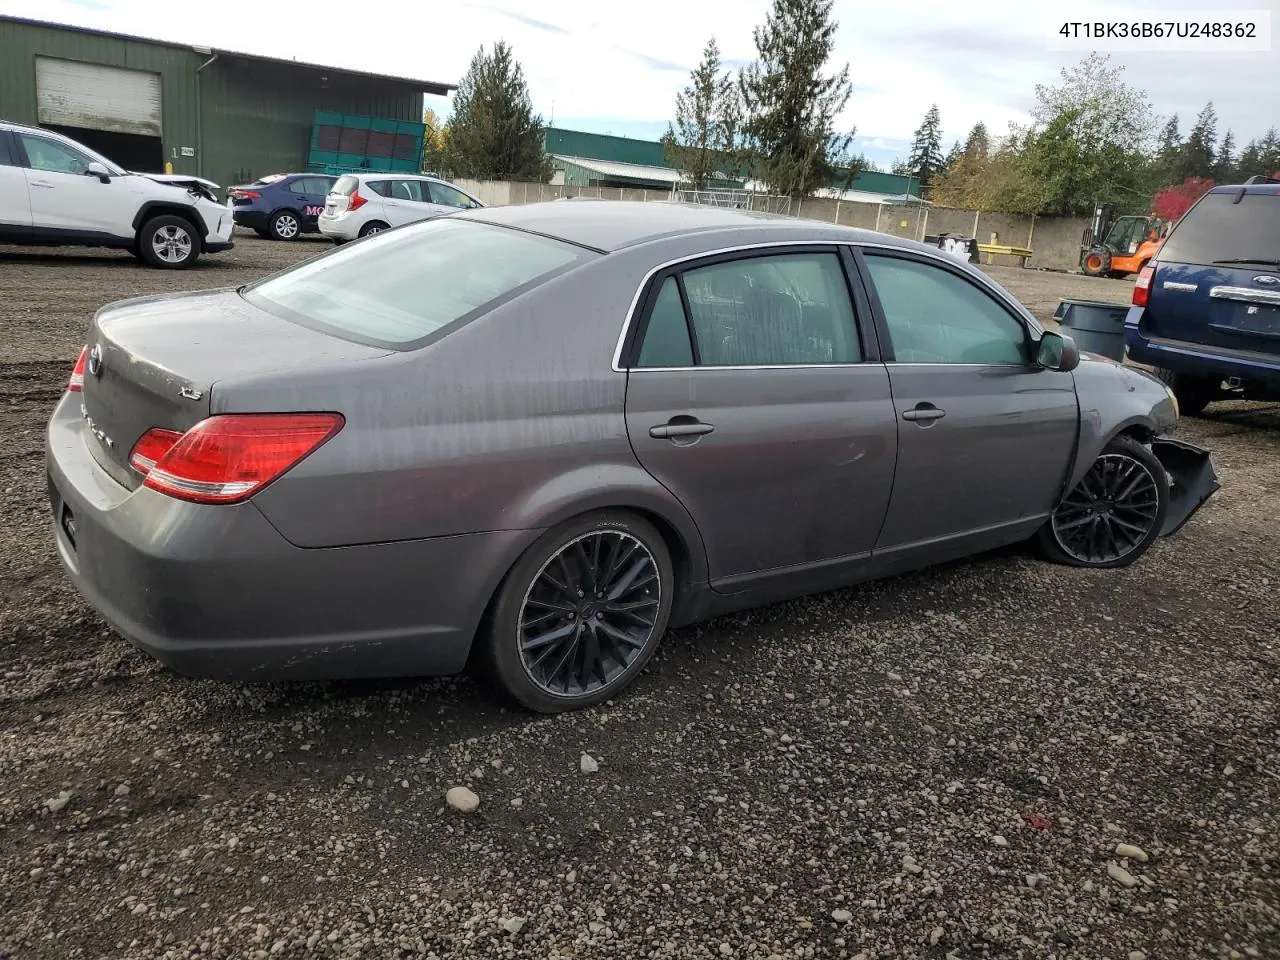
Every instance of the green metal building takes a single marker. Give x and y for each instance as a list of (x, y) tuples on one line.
[(582, 159), (227, 116)]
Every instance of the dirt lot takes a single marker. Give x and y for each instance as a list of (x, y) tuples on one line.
[(939, 766)]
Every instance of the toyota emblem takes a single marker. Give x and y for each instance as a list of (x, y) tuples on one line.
[(95, 359)]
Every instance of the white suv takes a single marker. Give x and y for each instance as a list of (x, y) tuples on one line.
[(57, 192), (363, 203)]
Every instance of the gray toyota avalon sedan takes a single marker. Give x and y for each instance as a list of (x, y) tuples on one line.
[(551, 432)]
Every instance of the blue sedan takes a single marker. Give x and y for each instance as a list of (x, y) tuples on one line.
[(282, 205)]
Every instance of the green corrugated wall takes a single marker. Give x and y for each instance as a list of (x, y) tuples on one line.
[(255, 116)]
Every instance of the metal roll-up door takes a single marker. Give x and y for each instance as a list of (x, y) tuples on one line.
[(70, 93)]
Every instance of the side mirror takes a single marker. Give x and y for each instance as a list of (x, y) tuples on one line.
[(1058, 352), (96, 169)]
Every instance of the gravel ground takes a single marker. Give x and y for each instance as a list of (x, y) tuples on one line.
[(998, 758)]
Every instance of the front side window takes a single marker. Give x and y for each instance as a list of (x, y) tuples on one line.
[(401, 286), (935, 316), (772, 310), (448, 196), (53, 157)]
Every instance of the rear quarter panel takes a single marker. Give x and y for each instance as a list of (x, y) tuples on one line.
[(513, 422)]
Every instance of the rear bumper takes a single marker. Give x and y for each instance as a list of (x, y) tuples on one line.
[(337, 228), (217, 592), (1198, 360), (253, 219)]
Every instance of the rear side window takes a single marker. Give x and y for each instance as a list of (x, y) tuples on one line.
[(1217, 229), (346, 185), (397, 288), (6, 159), (772, 310)]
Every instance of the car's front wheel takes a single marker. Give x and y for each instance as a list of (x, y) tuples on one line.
[(1114, 513), (169, 242), (581, 613)]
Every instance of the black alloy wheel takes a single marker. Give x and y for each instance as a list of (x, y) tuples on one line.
[(582, 612), (1114, 513)]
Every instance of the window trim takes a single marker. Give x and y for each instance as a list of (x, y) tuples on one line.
[(8, 153), (626, 353), (1032, 331), (25, 157)]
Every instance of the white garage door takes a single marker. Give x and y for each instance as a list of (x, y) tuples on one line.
[(74, 94)]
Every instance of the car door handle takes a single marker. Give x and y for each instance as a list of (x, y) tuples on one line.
[(925, 412), (678, 427), (40, 183)]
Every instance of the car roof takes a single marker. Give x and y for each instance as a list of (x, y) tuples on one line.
[(1265, 189), (615, 224), (383, 175)]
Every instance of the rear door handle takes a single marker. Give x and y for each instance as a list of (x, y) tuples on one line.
[(40, 183), (676, 428), (923, 411)]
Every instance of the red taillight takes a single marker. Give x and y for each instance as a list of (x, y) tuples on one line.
[(151, 448), (355, 201), (247, 194), (76, 383), (1142, 286), (230, 457)]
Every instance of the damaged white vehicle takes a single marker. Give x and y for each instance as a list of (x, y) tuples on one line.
[(57, 192)]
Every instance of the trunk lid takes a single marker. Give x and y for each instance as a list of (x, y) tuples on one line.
[(338, 200), (1217, 280), (153, 362)]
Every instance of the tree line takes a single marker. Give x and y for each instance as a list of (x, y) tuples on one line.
[(1093, 136)]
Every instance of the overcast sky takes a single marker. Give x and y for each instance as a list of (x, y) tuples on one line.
[(617, 67)]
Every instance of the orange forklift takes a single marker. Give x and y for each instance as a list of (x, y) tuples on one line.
[(1119, 246)]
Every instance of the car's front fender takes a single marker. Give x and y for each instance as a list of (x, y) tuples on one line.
[(1116, 399)]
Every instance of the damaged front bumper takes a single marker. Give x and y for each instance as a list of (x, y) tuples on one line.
[(1193, 480)]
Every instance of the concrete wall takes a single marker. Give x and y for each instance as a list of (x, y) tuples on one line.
[(1055, 241)]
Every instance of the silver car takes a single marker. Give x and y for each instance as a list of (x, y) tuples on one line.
[(553, 431)]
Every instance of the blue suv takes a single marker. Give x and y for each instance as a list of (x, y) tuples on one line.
[(281, 206), (1206, 310)]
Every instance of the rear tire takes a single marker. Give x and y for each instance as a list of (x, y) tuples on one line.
[(285, 225), (169, 242), (1113, 514), (581, 612), (373, 226), (1193, 393)]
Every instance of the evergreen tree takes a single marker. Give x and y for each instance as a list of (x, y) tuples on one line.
[(953, 155), (494, 133), (926, 149), (1224, 167), (1168, 158), (1261, 156), (791, 103), (1199, 153), (977, 146), (707, 115)]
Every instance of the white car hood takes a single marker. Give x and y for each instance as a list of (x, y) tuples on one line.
[(178, 179)]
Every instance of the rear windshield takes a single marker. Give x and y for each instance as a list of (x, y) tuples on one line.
[(346, 185), (397, 288), (1218, 229)]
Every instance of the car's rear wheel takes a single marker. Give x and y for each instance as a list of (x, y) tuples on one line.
[(169, 242), (1114, 513), (581, 613), (285, 225), (372, 227), (1193, 393)]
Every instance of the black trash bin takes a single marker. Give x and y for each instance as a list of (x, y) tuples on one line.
[(1096, 327)]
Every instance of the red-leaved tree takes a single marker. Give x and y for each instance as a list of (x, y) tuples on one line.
[(1172, 202)]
